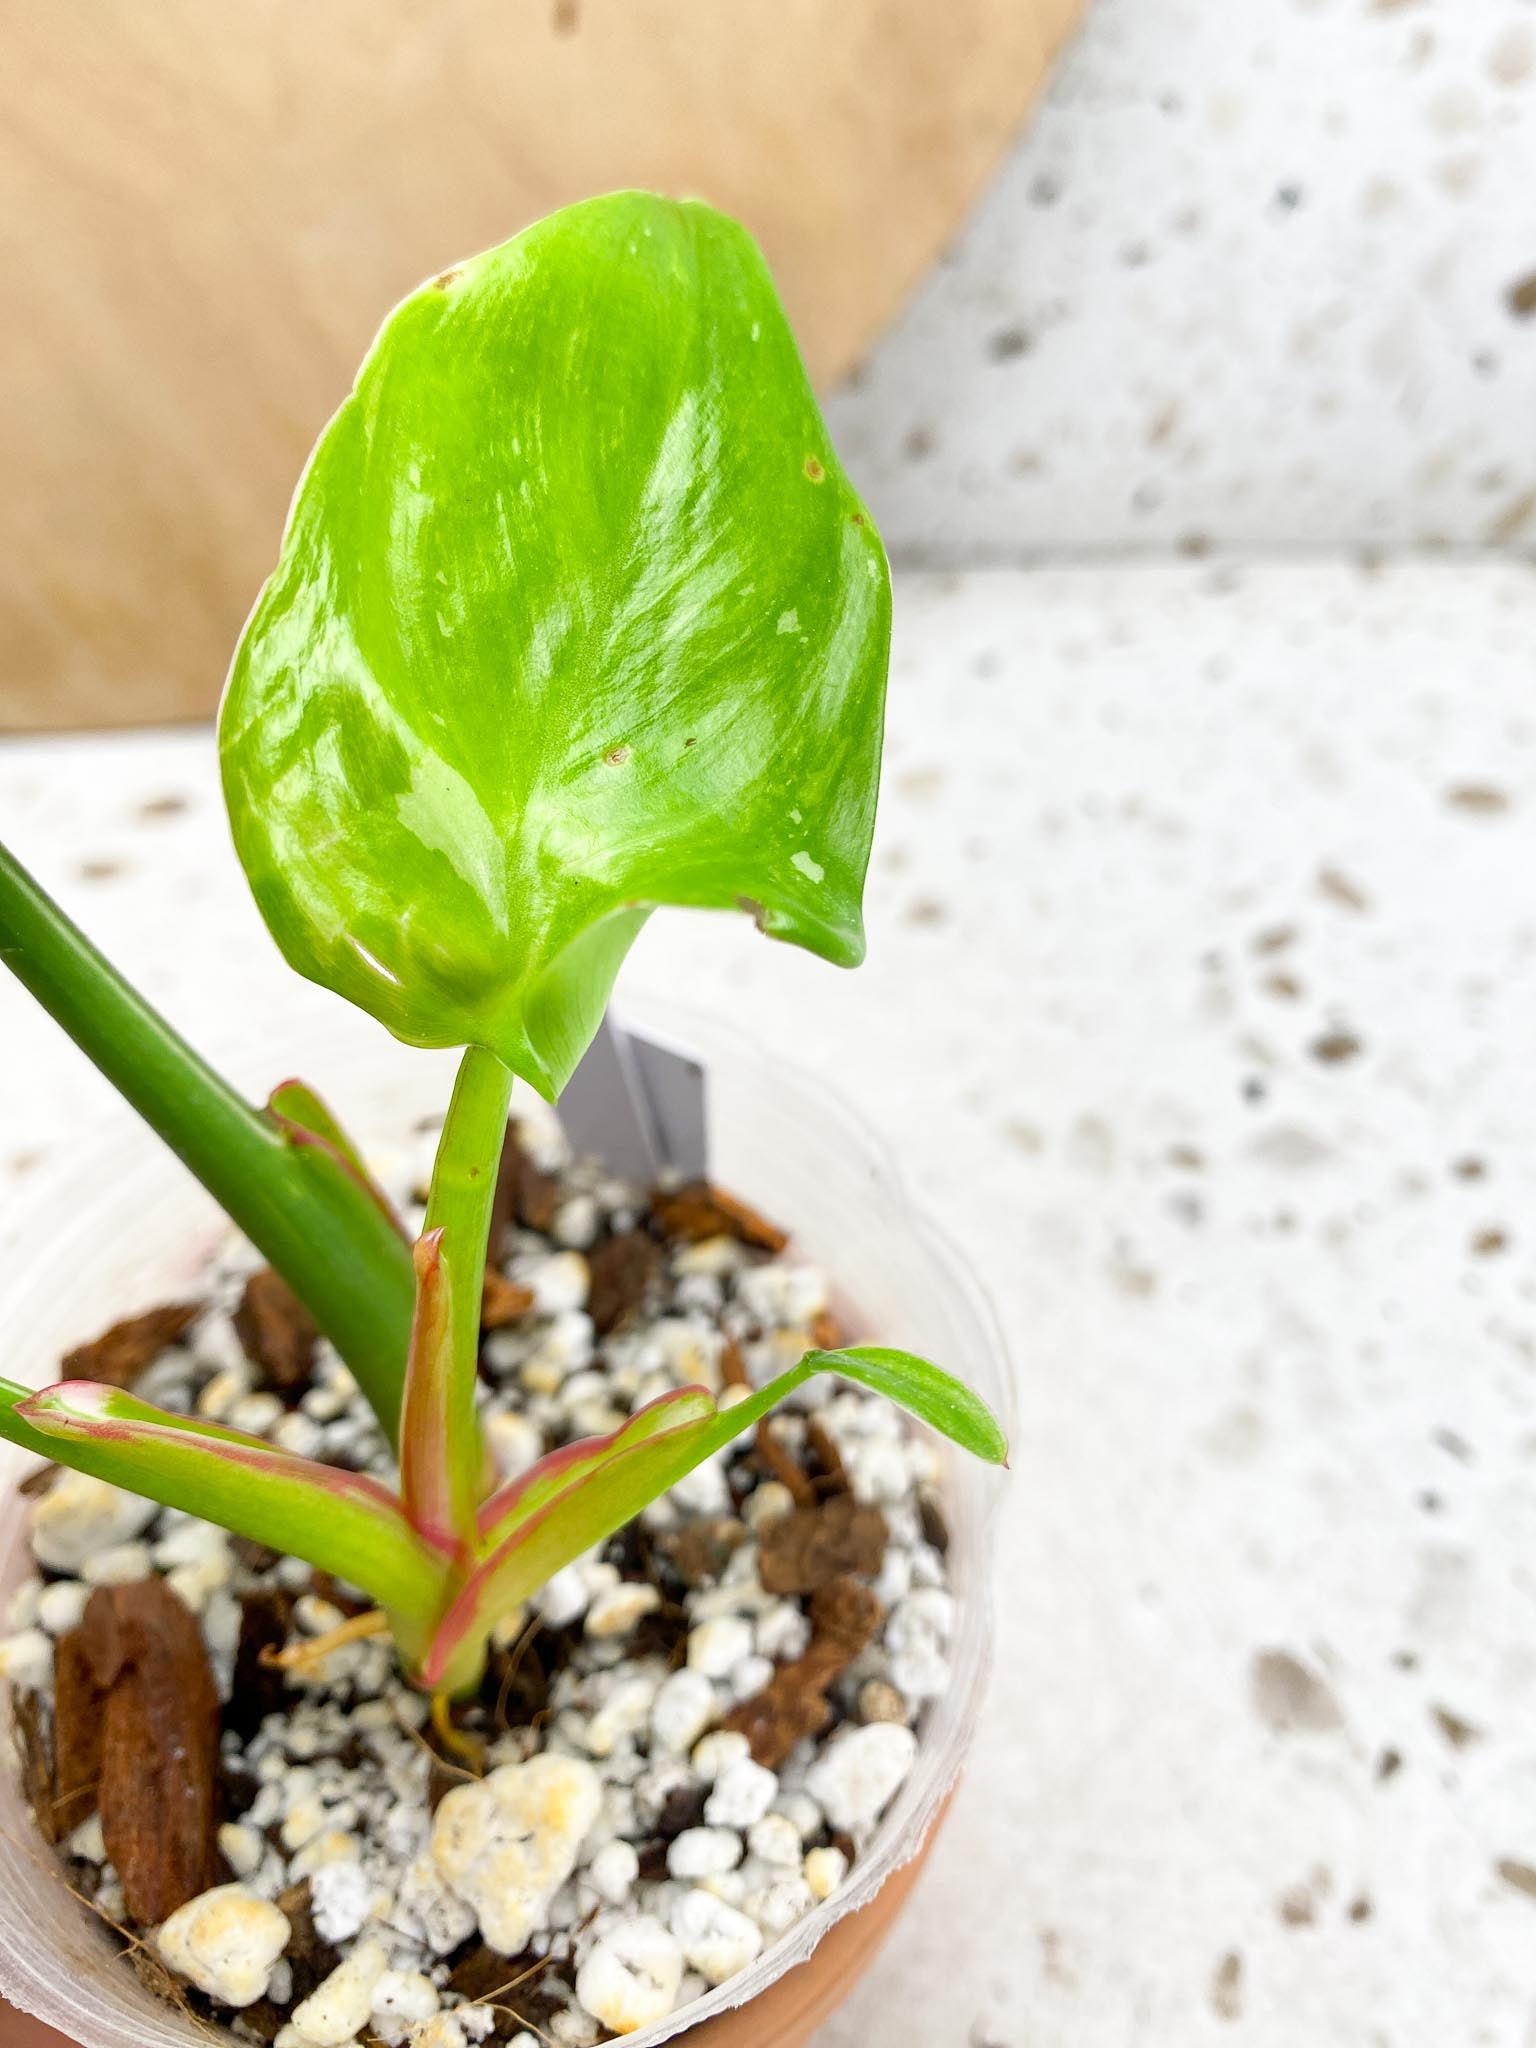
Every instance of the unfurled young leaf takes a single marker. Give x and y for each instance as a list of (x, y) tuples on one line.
[(576, 615)]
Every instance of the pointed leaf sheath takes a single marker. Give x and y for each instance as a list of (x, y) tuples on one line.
[(305, 1120), (341, 1521), (580, 1495), (439, 1465), (576, 615)]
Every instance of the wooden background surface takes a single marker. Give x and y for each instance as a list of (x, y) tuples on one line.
[(206, 208)]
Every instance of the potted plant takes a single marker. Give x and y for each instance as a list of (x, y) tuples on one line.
[(552, 1682)]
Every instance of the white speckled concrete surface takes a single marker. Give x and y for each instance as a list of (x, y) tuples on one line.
[(1202, 999), (1260, 272)]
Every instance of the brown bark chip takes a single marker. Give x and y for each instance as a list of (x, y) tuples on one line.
[(277, 1332), (621, 1269), (793, 1705), (700, 1552), (525, 1194), (698, 1210), (259, 1688), (30, 1724), (77, 1730), (119, 1355), (781, 1463), (805, 1550), (502, 1301), (142, 1652)]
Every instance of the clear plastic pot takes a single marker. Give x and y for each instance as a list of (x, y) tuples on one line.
[(120, 1225)]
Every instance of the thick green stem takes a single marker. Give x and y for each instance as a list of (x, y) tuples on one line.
[(302, 1210), (440, 1424)]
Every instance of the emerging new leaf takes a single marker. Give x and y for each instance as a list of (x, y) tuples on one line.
[(576, 615)]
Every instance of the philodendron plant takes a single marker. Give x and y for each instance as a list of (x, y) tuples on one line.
[(576, 615)]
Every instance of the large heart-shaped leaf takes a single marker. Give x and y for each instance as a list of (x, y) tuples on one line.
[(576, 615)]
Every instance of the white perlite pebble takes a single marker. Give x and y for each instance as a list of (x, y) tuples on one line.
[(26, 1659), (616, 1612), (859, 1773), (562, 1599), (508, 1843), (339, 2009), (775, 1839), (78, 1517), (626, 1711), (121, 1564), (342, 1897), (427, 1900), (445, 2030), (631, 1976), (226, 1942), (613, 1871), (61, 1606), (682, 1710), (824, 1871), (715, 1938), (717, 1752), (405, 1997), (516, 1444), (241, 1847), (714, 1646), (743, 1793), (703, 1852)]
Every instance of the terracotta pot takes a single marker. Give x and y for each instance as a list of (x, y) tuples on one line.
[(788, 2013), (127, 1213)]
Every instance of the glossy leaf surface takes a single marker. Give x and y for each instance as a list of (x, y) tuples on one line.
[(576, 615)]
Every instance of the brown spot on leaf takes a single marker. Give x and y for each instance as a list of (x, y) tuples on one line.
[(1291, 1698), (120, 1354), (1521, 296), (616, 756), (1487, 1244), (1521, 1876), (813, 469)]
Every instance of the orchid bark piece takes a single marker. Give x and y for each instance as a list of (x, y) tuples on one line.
[(576, 615)]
